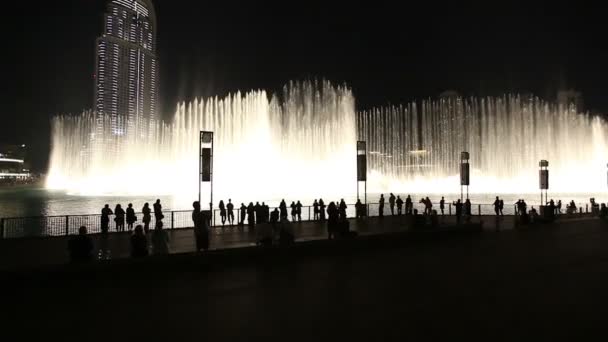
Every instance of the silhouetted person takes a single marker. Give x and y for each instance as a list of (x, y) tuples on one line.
[(409, 205), (518, 206), (315, 208), (458, 207), (158, 211), (322, 209), (399, 203), (391, 203), (147, 217), (501, 205), (274, 216), (342, 208), (139, 243), (428, 206), (497, 206), (81, 246), (243, 214), (524, 206), (223, 214), (559, 207), (467, 209), (442, 205), (131, 218), (294, 211), (160, 240), (119, 218), (299, 211), (603, 211), (257, 208), (196, 206), (230, 208), (533, 215), (266, 212), (105, 219), (283, 209), (359, 209), (381, 206), (251, 214), (332, 213), (201, 229)]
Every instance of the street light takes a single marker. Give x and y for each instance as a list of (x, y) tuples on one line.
[(465, 179)]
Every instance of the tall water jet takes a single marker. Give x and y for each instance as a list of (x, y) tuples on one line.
[(299, 143), (416, 147)]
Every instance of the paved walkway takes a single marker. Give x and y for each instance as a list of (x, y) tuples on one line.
[(35, 252)]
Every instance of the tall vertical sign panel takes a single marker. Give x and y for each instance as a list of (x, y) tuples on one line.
[(206, 165), (543, 177), (464, 174), (361, 161)]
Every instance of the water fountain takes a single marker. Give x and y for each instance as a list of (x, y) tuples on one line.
[(416, 147), (299, 143)]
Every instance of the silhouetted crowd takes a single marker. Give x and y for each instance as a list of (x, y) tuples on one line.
[(275, 227)]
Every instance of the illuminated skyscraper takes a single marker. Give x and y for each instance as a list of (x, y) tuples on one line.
[(126, 76)]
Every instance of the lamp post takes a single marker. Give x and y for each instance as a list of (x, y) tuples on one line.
[(362, 167), (464, 174), (543, 178)]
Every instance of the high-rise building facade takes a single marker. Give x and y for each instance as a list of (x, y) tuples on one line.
[(126, 77)]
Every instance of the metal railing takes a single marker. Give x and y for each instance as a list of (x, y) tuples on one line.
[(48, 226)]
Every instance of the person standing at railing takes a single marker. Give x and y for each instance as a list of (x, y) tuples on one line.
[(251, 214), (243, 214), (294, 211), (558, 209), (195, 212), (257, 208), (358, 209), (201, 229), (321, 209), (148, 217), (399, 202), (332, 213), (105, 218), (264, 213), (315, 210), (501, 205), (222, 212), (458, 206), (391, 203), (283, 209), (442, 205), (409, 205), (381, 206), (467, 209), (230, 208), (158, 211), (497, 206), (342, 209), (120, 218), (299, 211), (131, 218)]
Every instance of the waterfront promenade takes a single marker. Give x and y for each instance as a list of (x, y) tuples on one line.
[(48, 251), (547, 282)]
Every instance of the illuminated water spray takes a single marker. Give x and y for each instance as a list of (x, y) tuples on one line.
[(297, 144), (416, 147), (301, 144)]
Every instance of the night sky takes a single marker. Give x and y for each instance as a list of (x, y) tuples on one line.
[(386, 53)]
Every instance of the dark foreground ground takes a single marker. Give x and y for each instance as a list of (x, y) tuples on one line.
[(551, 282)]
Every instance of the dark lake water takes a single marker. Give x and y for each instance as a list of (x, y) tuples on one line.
[(35, 201)]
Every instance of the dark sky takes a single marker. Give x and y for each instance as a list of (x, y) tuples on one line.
[(388, 53)]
